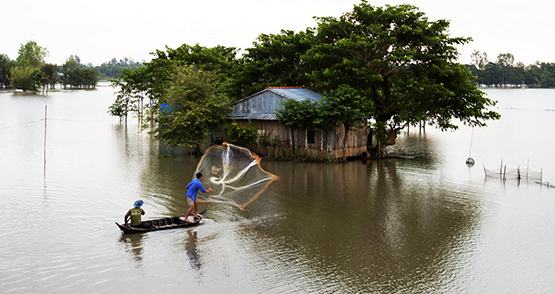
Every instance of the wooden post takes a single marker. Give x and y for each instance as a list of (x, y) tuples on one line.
[(44, 147)]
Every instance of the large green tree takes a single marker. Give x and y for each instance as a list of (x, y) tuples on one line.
[(199, 104), (25, 78), (405, 64), (274, 60), (50, 72), (344, 106), (152, 81), (31, 54), (77, 75), (6, 65), (27, 74)]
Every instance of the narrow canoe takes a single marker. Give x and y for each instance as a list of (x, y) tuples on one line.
[(159, 224)]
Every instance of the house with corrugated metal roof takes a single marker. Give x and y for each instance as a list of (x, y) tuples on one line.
[(277, 141)]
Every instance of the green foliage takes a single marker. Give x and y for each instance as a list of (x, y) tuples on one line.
[(23, 77), (31, 54), (274, 60), (121, 107), (156, 82), (402, 62), (114, 67), (243, 136), (299, 114), (78, 76), (6, 64), (390, 64), (506, 73), (479, 59), (341, 107), (344, 106), (28, 75), (132, 86), (199, 104), (50, 72)]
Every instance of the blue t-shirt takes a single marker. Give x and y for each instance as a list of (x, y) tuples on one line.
[(193, 187)]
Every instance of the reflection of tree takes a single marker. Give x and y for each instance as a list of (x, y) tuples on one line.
[(419, 145), (383, 226), (162, 179), (133, 243), (191, 250)]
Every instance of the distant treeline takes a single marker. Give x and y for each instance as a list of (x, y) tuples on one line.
[(504, 72), (114, 67), (29, 71)]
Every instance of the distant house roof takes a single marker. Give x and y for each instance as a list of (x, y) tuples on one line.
[(297, 93), (262, 105)]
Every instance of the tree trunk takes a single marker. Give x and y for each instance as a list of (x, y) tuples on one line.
[(381, 140), (197, 150)]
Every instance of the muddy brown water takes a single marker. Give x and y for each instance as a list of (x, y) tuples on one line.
[(430, 224)]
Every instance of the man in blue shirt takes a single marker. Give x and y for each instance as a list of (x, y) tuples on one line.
[(192, 189)]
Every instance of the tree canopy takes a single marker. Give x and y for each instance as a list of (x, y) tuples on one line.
[(6, 65), (274, 59), (158, 80), (198, 100), (78, 76), (26, 74), (115, 67), (390, 65), (31, 54), (403, 63)]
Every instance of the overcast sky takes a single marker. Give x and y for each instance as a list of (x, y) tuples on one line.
[(97, 30)]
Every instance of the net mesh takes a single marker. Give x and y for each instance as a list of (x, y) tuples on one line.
[(508, 173), (235, 175), (493, 173)]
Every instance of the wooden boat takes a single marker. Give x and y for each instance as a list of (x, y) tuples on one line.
[(165, 223)]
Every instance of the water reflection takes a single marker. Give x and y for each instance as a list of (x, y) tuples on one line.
[(371, 222), (133, 243), (191, 250)]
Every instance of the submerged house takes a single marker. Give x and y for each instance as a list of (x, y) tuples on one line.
[(278, 141)]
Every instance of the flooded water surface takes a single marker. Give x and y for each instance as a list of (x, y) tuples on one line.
[(429, 224)]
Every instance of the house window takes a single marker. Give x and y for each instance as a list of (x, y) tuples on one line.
[(310, 136)]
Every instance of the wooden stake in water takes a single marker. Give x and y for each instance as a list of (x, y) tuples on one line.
[(45, 118)]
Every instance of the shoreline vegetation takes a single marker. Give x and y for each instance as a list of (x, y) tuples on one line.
[(505, 72), (379, 68), (31, 74)]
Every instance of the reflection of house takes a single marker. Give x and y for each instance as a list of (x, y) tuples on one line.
[(281, 142)]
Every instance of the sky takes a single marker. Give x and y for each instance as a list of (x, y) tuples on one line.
[(98, 30)]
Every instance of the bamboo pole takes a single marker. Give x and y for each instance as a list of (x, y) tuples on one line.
[(44, 147)]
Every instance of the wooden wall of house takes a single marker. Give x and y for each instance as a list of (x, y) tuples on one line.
[(327, 145)]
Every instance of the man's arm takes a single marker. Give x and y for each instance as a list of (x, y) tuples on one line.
[(201, 187), (205, 190), (127, 216)]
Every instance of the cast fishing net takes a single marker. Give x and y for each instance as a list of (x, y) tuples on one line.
[(235, 175)]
